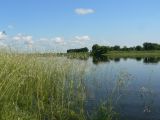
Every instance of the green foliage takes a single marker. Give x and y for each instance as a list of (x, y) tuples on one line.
[(116, 48), (34, 87), (39, 88), (138, 48), (99, 50), (81, 56), (151, 46), (78, 50), (106, 112)]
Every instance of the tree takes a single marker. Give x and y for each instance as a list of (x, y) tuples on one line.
[(116, 47), (85, 49), (125, 48), (138, 48), (151, 46), (99, 50)]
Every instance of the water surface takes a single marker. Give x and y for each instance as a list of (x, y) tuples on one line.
[(135, 84)]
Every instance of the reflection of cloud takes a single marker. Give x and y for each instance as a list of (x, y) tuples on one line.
[(3, 35), (84, 11)]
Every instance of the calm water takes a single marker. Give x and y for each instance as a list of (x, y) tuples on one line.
[(133, 85)]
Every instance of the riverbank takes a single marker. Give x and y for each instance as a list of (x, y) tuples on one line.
[(44, 88), (133, 54)]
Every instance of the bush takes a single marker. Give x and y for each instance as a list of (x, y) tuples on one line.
[(78, 50), (99, 50)]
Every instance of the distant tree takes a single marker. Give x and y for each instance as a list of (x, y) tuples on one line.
[(124, 48), (116, 47), (148, 46), (95, 47), (99, 50), (151, 46), (78, 50), (131, 48), (138, 48)]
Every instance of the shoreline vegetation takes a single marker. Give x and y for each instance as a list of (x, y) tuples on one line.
[(44, 88), (147, 50), (155, 53)]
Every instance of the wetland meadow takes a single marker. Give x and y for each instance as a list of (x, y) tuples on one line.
[(79, 59), (77, 86)]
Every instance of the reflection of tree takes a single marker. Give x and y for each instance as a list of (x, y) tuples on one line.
[(151, 59), (98, 59), (138, 58), (116, 59)]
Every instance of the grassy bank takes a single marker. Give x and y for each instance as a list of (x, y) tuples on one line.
[(34, 88), (39, 88), (133, 54)]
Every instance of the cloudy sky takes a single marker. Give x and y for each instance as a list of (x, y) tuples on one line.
[(57, 25)]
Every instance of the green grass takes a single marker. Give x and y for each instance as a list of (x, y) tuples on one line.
[(82, 56), (133, 54), (34, 87)]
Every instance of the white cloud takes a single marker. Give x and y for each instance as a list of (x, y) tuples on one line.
[(27, 39), (83, 38), (29, 42), (19, 36), (43, 39), (3, 35), (84, 11), (59, 40), (2, 45)]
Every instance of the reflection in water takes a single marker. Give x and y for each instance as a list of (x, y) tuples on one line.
[(98, 59), (151, 60), (102, 58), (104, 99), (116, 59), (138, 58), (128, 87), (146, 60)]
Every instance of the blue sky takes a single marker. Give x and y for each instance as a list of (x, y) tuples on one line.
[(63, 24)]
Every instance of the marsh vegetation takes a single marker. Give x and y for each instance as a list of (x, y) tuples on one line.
[(60, 87), (33, 87)]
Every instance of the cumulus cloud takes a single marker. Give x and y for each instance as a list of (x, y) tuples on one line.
[(59, 40), (29, 42), (3, 45), (18, 37), (81, 39), (43, 39), (27, 39), (84, 11), (3, 35)]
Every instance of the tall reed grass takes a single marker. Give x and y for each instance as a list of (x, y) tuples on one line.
[(35, 88), (45, 88)]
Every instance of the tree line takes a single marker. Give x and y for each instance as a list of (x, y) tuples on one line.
[(85, 49), (98, 50)]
